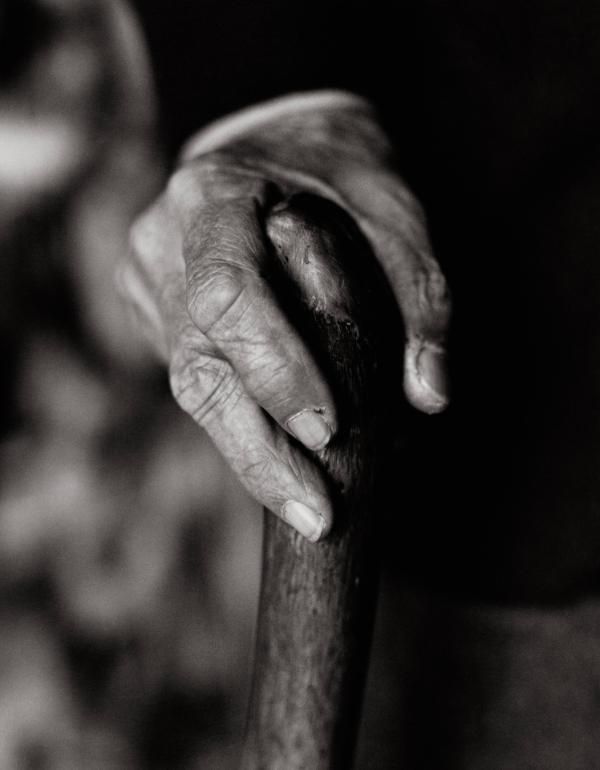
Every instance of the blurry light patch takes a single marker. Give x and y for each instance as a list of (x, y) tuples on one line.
[(56, 389), (37, 155)]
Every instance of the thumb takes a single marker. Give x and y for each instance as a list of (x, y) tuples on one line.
[(394, 223)]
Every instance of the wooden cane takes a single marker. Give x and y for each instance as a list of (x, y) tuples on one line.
[(317, 601)]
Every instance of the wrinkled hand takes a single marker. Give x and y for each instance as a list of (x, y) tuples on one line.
[(196, 277)]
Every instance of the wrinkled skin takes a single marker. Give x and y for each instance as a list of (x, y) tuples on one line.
[(198, 276)]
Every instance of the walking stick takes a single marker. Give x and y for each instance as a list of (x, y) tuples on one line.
[(317, 601)]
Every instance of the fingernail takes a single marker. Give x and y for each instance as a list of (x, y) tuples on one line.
[(431, 370), (304, 520), (310, 429)]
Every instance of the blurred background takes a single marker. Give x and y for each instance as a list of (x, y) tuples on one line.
[(129, 557)]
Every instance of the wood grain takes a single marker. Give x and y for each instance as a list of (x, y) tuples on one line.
[(317, 601)]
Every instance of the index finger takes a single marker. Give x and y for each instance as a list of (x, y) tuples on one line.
[(231, 302)]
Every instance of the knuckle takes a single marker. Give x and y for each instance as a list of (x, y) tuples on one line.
[(139, 236), (154, 234), (216, 166), (212, 290), (214, 163), (438, 293), (129, 285), (428, 307), (196, 179), (278, 384), (148, 235), (184, 185), (203, 385), (258, 470)]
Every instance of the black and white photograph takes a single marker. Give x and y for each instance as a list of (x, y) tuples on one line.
[(299, 385)]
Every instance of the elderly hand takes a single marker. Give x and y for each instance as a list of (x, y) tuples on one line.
[(197, 277)]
